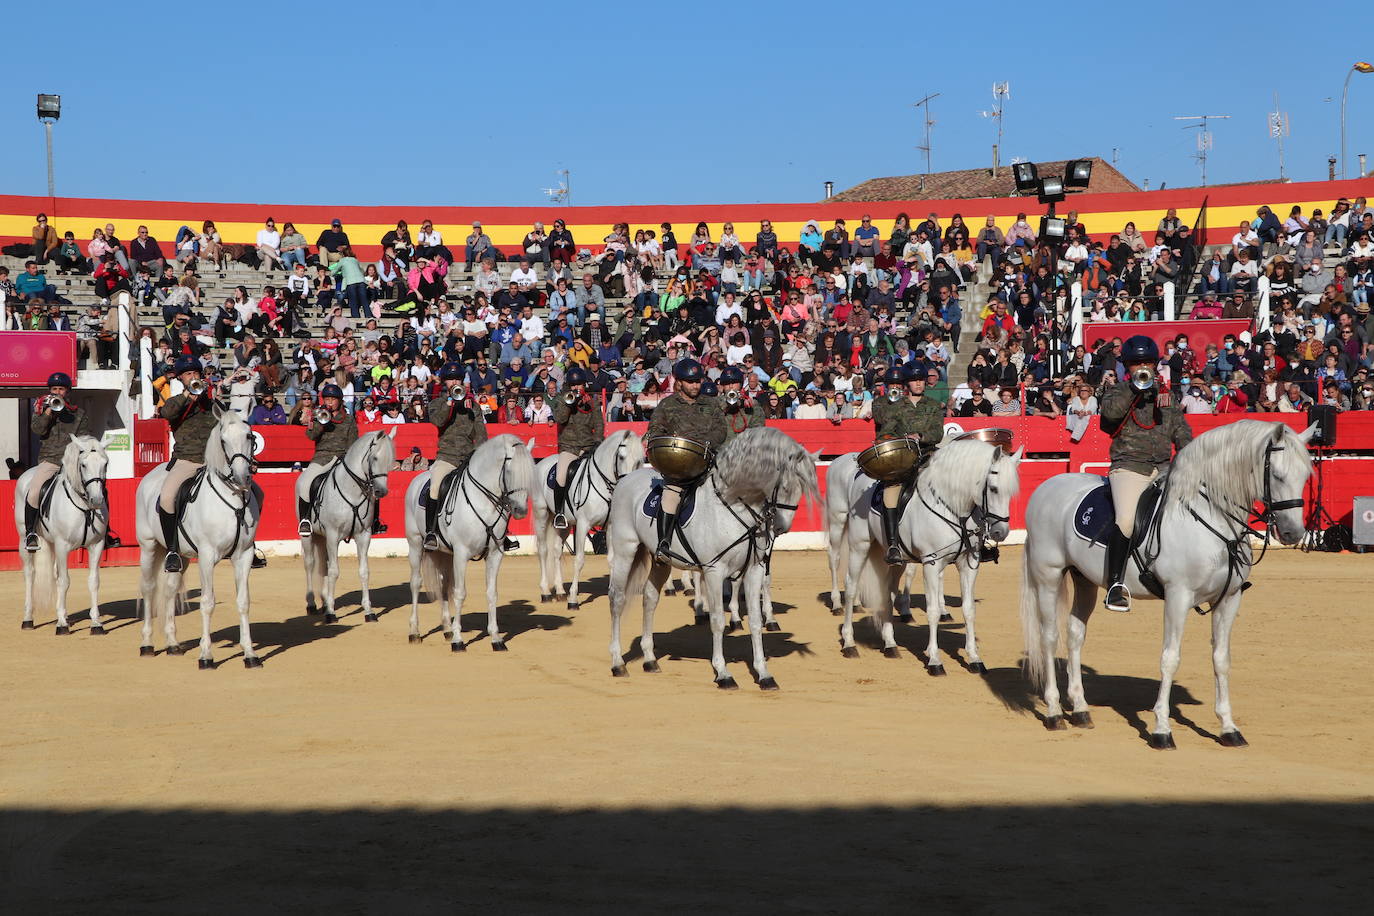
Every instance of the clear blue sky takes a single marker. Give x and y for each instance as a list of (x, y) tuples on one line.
[(369, 103)]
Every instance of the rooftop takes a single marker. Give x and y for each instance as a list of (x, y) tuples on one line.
[(977, 183)]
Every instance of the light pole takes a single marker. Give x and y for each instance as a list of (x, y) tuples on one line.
[(49, 110), (1359, 66)]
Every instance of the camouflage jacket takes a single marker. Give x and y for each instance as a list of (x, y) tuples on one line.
[(333, 440), (746, 414), (700, 420), (579, 430), (56, 429), (1144, 434), (461, 430), (193, 420), (923, 420)]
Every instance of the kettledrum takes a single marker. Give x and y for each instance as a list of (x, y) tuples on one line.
[(994, 435), (890, 460), (678, 458)]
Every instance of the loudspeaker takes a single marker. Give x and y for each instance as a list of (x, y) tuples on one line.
[(1324, 415)]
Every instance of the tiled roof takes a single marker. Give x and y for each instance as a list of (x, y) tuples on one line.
[(976, 183)]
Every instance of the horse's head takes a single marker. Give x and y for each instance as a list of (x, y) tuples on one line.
[(86, 466), (517, 476), (381, 458), (1286, 469), (629, 454), (1001, 485), (230, 452), (797, 481)]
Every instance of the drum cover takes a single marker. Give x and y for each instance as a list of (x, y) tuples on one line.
[(891, 460), (993, 435)]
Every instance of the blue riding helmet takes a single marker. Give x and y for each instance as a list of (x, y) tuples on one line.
[(59, 378), (709, 389), (894, 376), (186, 364), (689, 370), (1140, 349), (575, 376), (731, 375), (331, 391), (451, 371), (913, 372)]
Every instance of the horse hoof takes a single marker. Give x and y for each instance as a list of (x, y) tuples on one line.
[(891, 652), (837, 612), (701, 620), (146, 651), (977, 668), (905, 618), (573, 605), (312, 610), (773, 626), (652, 667), (457, 646), (545, 599), (935, 670), (1233, 739), (207, 664), (97, 631), (850, 652), (946, 618), (26, 625), (415, 639), (619, 671), (1081, 719), (331, 618), (1164, 742), (1055, 723), (733, 625), (498, 645), (369, 618), (61, 631), (175, 649), (727, 683), (670, 590), (689, 592), (252, 661), (768, 683)]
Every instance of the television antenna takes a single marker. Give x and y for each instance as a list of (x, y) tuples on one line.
[(563, 193), (1278, 129), (1204, 137), (1000, 93), (928, 124)]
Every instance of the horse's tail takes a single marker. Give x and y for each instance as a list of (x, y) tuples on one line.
[(873, 590), (434, 575), (639, 571), (44, 578), (1033, 624)]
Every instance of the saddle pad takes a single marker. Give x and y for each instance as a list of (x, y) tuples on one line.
[(572, 472), (1095, 514), (875, 499), (445, 488), (655, 498)]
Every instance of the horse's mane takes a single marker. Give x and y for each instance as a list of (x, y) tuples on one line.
[(364, 442), (1227, 463), (521, 475), (214, 449), (959, 471), (752, 465)]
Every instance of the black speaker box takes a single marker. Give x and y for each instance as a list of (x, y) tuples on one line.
[(1324, 415)]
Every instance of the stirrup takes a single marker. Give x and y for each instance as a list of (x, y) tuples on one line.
[(1118, 598), (560, 520), (112, 540), (31, 542), (304, 529), (509, 543), (431, 541), (173, 562), (378, 527), (663, 552), (894, 556)]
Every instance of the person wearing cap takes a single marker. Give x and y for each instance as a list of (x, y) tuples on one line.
[(476, 247), (909, 415), (741, 410), (330, 242), (192, 418), (581, 427), (54, 424), (461, 430), (332, 430), (687, 414)]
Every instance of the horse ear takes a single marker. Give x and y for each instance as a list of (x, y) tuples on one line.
[(391, 433), (1017, 455), (1304, 437), (218, 410), (816, 455), (530, 445)]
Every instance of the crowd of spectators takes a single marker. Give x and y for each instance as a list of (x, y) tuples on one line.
[(812, 322)]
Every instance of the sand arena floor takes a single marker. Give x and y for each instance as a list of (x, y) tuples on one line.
[(355, 772)]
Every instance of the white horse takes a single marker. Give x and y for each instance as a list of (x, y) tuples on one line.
[(588, 504), (220, 522), (346, 509), (78, 516), (1204, 557), (845, 481), (752, 493), (963, 495), (491, 490)]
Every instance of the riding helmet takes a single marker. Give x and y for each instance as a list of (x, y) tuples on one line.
[(60, 378), (709, 389), (894, 376), (331, 391), (1140, 349), (689, 370), (451, 371), (914, 371), (731, 375), (575, 376), (186, 364)]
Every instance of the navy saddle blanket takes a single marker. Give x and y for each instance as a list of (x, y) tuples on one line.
[(655, 499), (1095, 514), (552, 479)]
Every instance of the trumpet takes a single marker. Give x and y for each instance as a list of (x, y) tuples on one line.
[(732, 397), (1143, 377), (323, 416), (196, 388), (894, 394), (570, 398), (54, 402)]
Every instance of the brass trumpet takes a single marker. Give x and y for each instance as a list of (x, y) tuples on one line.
[(570, 398), (732, 397), (894, 394), (1143, 377), (323, 416), (196, 388), (54, 402)]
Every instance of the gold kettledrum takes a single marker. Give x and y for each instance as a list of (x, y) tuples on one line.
[(993, 435), (677, 457), (890, 460)]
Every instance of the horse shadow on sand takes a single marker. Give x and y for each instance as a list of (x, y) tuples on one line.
[(514, 617), (1128, 696), (912, 634), (692, 641)]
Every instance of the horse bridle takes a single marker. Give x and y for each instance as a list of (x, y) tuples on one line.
[(230, 459), (366, 484), (968, 538), (500, 501)]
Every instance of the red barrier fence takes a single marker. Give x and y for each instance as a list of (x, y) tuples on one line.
[(1046, 441), (1200, 332)]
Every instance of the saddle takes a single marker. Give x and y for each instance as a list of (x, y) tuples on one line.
[(445, 487), (187, 492), (653, 503), (45, 494), (875, 500), (573, 468), (1095, 516)]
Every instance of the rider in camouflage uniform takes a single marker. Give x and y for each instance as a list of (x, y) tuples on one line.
[(193, 419), (581, 427), (55, 428), (1144, 436), (684, 413), (741, 411), (331, 440), (461, 429), (912, 416)]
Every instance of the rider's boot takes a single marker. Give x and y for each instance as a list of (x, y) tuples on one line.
[(431, 520), (667, 521), (377, 526), (894, 551), (303, 509), (169, 534), (560, 501), (1118, 552), (30, 524)]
